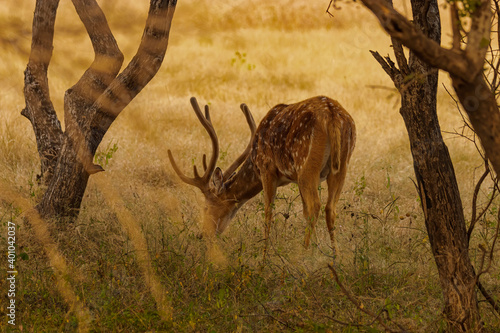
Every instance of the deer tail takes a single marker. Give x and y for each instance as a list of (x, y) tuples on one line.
[(335, 146)]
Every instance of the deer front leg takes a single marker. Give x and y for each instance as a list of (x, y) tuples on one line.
[(269, 185)]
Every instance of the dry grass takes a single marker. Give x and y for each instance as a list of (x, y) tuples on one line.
[(287, 52)]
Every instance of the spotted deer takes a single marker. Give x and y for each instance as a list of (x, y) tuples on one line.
[(304, 143)]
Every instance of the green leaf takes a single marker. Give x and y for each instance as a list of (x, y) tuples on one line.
[(484, 43)]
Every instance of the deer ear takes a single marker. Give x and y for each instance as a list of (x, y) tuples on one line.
[(218, 180)]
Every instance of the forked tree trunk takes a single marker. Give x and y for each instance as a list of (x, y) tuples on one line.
[(440, 198), (92, 104), (64, 194)]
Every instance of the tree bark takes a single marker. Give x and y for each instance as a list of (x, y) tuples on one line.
[(39, 109), (481, 107), (417, 83), (94, 102)]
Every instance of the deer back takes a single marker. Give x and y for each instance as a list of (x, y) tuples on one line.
[(285, 137)]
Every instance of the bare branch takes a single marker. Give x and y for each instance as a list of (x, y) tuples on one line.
[(483, 290), (428, 50), (387, 65), (108, 58), (79, 98), (474, 218), (360, 306), (333, 5), (488, 297), (480, 105), (399, 53), (400, 57), (138, 73), (495, 239)]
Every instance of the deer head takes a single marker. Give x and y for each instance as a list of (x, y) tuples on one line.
[(220, 204)]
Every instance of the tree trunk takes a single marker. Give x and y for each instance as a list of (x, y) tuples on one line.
[(442, 206), (440, 198), (92, 104), (39, 109), (64, 194)]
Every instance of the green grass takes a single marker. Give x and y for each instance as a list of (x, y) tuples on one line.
[(384, 266)]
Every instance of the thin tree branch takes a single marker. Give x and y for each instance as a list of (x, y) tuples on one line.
[(106, 65), (428, 50), (137, 74), (387, 65), (360, 306), (400, 57), (496, 68), (485, 209), (108, 58), (486, 294), (495, 238), (399, 53), (488, 297), (332, 4), (474, 218)]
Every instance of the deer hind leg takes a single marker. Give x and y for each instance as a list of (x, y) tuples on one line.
[(335, 181), (308, 185), (311, 204)]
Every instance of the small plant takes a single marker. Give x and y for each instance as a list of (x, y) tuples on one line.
[(31, 185), (359, 186), (465, 7), (240, 60), (393, 206), (103, 157), (223, 153), (34, 182)]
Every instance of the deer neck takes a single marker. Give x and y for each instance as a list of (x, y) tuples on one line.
[(244, 185)]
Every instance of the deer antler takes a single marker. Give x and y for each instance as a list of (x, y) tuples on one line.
[(246, 152), (200, 182)]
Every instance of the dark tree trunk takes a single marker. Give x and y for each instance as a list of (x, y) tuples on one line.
[(443, 212), (92, 104), (39, 109), (64, 194), (440, 198)]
